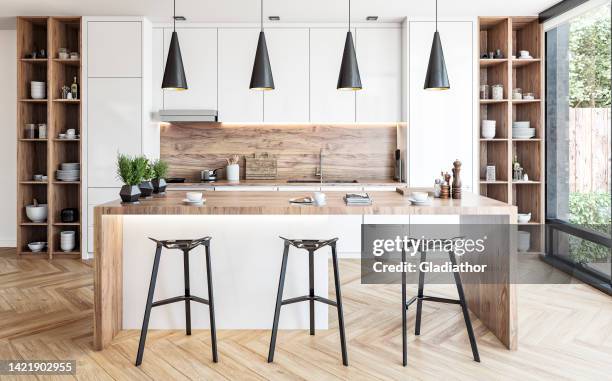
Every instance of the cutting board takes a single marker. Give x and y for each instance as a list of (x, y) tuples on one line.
[(260, 166)]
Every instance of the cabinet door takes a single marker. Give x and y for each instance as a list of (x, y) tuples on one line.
[(113, 126), (199, 52), (114, 49), (238, 103), (379, 53), (288, 51), (328, 104), (441, 126), (158, 60)]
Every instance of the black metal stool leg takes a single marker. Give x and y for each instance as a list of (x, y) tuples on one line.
[(404, 313), (145, 321), (211, 305), (466, 313), (311, 291), (187, 292), (339, 305), (419, 309), (279, 300)]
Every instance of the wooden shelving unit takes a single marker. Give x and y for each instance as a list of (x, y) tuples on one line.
[(44, 156), (510, 35)]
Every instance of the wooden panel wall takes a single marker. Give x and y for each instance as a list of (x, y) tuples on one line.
[(350, 151)]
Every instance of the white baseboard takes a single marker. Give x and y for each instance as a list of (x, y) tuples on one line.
[(8, 243)]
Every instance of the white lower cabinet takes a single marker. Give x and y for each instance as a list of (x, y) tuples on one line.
[(348, 230), (114, 115)]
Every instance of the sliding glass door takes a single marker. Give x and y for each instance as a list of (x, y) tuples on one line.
[(578, 144)]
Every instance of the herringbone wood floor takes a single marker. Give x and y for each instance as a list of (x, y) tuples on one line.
[(565, 333)]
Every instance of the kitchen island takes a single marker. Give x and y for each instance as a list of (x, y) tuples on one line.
[(246, 253)]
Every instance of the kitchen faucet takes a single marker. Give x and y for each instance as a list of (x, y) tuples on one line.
[(319, 171)]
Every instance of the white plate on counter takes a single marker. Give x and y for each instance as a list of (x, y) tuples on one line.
[(198, 202), (420, 203)]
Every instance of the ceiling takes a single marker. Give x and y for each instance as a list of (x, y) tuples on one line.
[(224, 11)]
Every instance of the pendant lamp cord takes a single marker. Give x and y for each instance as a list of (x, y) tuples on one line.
[(174, 16), (436, 15), (349, 26), (261, 14)]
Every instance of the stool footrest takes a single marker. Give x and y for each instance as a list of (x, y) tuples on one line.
[(412, 300), (440, 300), (309, 298), (181, 298)]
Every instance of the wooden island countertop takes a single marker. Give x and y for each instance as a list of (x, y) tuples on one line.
[(493, 302), (277, 203)]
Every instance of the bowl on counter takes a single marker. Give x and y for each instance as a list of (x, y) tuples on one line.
[(420, 196), (36, 247), (37, 213)]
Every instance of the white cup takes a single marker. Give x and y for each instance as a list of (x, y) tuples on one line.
[(524, 53), (420, 196), (70, 132), (320, 198), (194, 196)]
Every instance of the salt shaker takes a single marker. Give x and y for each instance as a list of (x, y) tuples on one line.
[(437, 188)]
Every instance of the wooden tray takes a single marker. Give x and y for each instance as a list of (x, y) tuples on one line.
[(262, 166)]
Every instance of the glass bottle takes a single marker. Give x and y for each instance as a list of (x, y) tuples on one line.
[(74, 89)]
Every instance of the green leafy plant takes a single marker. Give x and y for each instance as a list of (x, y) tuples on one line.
[(592, 211), (149, 172), (131, 170), (160, 169)]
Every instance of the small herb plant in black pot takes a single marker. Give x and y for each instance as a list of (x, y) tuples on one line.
[(160, 170), (146, 187), (131, 172)]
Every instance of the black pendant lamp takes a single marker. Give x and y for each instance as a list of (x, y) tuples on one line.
[(349, 78), (437, 77), (261, 77), (174, 74)]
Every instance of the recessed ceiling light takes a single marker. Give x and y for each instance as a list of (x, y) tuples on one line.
[(372, 18), (274, 18), (180, 18)]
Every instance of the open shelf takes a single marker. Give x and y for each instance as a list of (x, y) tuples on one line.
[(44, 156), (511, 35)]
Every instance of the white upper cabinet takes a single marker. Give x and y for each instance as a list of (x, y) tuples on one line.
[(114, 49), (114, 118), (379, 54), (441, 124), (237, 103), (327, 104), (288, 51), (199, 52), (158, 60)]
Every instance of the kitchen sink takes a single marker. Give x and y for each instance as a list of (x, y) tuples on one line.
[(307, 181)]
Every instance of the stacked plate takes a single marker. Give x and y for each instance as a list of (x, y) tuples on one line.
[(38, 90), (69, 172), (68, 240), (522, 130)]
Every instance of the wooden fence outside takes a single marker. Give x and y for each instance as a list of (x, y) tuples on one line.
[(589, 145)]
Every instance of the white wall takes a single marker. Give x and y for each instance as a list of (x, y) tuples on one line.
[(8, 155)]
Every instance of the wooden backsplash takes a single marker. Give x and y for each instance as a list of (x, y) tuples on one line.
[(350, 151)]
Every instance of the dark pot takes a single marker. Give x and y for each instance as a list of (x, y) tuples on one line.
[(69, 215), (159, 185), (129, 194), (146, 189)]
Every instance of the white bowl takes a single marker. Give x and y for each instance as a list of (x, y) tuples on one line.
[(420, 196), (35, 247), (67, 246), (523, 218), (521, 124), (194, 196), (488, 132), (37, 213)]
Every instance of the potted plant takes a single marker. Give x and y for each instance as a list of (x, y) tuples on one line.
[(130, 172), (146, 187), (160, 170)]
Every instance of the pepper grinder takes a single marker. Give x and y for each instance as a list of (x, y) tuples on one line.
[(456, 192)]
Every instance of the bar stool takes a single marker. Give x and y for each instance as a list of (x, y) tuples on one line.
[(185, 246), (420, 298), (311, 246)]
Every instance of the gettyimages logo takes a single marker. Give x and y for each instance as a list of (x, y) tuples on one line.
[(458, 245)]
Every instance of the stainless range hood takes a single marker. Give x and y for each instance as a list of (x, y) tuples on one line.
[(188, 115)]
